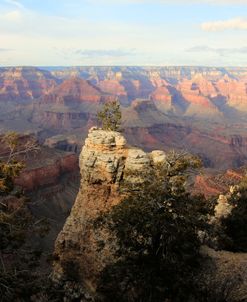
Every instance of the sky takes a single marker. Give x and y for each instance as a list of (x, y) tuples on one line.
[(123, 32)]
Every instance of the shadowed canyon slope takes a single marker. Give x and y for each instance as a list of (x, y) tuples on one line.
[(203, 110), (50, 181)]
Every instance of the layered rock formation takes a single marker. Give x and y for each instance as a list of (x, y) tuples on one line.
[(211, 184), (74, 90), (105, 161), (45, 168), (24, 83), (199, 109), (50, 183)]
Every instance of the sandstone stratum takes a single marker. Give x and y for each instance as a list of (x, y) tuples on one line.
[(105, 162)]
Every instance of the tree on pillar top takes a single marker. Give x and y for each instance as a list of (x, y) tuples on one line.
[(110, 116)]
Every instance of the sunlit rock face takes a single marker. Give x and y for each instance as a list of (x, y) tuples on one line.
[(105, 162)]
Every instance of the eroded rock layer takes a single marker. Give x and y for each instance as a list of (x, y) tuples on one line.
[(202, 110), (105, 162)]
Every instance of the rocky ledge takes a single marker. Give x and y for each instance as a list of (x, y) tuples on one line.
[(104, 162)]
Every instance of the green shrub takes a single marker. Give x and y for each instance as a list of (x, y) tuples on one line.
[(235, 225)]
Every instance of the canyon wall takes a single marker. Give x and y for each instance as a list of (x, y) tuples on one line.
[(200, 109), (50, 182), (45, 169)]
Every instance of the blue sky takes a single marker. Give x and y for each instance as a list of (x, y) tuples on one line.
[(123, 32)]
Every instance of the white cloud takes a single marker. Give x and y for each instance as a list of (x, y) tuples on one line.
[(42, 39), (5, 49), (105, 52), (14, 3), (221, 51), (221, 25), (12, 16)]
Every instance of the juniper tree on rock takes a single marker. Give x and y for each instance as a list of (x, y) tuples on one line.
[(110, 116)]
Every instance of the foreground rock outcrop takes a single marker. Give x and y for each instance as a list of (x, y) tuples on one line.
[(105, 161)]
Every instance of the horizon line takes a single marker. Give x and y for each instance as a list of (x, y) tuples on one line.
[(143, 66)]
